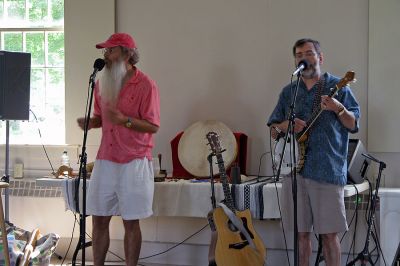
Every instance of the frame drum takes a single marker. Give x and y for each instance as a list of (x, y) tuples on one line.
[(193, 149)]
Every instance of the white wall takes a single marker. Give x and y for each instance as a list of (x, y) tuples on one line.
[(383, 91), (227, 60), (86, 23)]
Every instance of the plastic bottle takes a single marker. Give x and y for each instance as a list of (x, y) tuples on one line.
[(65, 159), (11, 240)]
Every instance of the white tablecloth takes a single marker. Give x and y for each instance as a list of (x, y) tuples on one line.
[(191, 198)]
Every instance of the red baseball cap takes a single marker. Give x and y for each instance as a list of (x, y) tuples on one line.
[(118, 39)]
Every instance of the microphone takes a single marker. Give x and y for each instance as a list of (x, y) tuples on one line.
[(98, 66), (303, 65)]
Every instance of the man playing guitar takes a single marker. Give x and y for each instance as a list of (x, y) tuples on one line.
[(324, 173)]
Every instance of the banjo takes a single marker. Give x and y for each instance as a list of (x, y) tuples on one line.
[(302, 137)]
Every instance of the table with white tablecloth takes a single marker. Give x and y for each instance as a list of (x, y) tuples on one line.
[(192, 198)]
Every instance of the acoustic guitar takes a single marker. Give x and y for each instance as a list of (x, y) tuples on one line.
[(302, 137), (238, 244)]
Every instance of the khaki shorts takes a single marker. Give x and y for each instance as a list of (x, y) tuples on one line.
[(124, 190), (320, 206)]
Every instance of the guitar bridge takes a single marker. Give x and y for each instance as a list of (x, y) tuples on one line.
[(239, 245)]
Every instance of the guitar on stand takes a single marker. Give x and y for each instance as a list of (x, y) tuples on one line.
[(237, 244)]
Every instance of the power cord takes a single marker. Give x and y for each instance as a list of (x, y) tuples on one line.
[(122, 259), (178, 244), (44, 149), (70, 241), (355, 215)]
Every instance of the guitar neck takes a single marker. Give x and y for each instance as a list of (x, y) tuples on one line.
[(225, 186), (317, 112)]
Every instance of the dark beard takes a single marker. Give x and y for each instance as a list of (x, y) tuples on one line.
[(311, 72)]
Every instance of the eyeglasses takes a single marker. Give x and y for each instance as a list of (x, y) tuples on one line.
[(306, 54), (109, 50)]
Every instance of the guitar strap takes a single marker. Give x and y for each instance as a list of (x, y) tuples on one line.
[(237, 223), (317, 99)]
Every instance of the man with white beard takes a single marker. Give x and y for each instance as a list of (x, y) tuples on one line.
[(127, 108)]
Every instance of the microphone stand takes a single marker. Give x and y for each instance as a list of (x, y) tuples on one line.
[(290, 137), (212, 181), (83, 175), (210, 217)]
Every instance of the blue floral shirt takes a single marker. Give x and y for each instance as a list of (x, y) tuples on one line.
[(326, 154)]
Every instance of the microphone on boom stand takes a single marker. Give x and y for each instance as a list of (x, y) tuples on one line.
[(98, 66)]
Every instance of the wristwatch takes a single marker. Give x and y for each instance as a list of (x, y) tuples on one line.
[(341, 111), (128, 123)]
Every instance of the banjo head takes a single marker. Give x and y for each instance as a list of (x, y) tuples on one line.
[(193, 149)]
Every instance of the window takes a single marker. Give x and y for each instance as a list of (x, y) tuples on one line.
[(37, 27)]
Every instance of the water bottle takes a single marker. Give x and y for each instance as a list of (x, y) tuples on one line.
[(10, 239), (65, 159)]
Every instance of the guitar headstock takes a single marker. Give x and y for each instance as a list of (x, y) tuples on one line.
[(348, 77), (213, 141)]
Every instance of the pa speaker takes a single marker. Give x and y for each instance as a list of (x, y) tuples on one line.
[(15, 73), (357, 165)]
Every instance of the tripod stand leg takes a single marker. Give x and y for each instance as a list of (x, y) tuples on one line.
[(363, 257), (79, 247), (320, 257), (396, 258)]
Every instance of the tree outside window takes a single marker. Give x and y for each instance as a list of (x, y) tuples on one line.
[(37, 27)]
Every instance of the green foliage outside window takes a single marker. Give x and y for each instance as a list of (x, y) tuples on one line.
[(40, 23), (57, 11), (1, 8), (13, 41), (56, 49), (37, 10), (16, 9), (35, 45)]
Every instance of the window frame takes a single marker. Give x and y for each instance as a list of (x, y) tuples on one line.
[(46, 29)]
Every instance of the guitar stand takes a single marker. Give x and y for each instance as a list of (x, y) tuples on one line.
[(365, 256)]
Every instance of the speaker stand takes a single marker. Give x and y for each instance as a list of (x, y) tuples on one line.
[(6, 177), (365, 256)]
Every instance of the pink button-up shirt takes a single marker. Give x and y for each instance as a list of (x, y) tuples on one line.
[(139, 99)]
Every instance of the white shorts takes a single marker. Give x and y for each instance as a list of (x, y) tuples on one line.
[(124, 190)]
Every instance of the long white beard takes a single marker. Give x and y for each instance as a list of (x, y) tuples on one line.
[(111, 81)]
